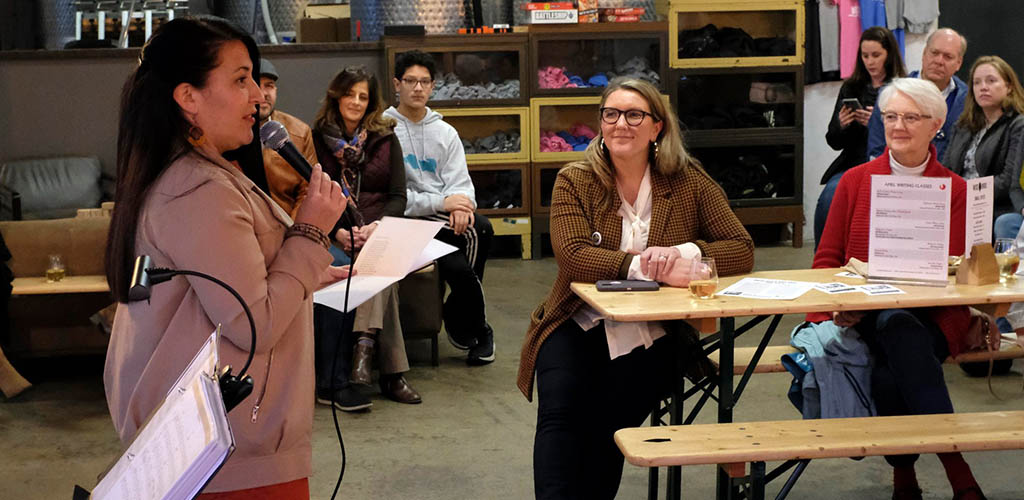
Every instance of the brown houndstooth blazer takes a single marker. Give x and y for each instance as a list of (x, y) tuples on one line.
[(687, 207)]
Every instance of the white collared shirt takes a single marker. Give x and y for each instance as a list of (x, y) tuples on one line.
[(623, 337)]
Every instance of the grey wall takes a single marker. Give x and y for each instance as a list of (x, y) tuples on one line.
[(52, 106)]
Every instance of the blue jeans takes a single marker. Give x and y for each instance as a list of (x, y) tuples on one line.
[(824, 203), (1008, 225)]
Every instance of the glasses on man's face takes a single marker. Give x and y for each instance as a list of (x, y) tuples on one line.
[(910, 119), (413, 82), (634, 117)]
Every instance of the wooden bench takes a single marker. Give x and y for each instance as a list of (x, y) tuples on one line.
[(771, 359), (731, 446)]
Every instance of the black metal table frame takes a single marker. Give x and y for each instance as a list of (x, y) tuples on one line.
[(724, 341)]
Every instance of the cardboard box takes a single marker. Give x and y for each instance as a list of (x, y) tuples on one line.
[(619, 19), (319, 30), (548, 5), (329, 10), (589, 16), (622, 11), (559, 16), (585, 6)]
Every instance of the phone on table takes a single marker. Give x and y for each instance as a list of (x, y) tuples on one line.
[(627, 286), (852, 103)]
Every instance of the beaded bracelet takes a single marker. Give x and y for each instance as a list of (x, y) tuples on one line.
[(309, 231)]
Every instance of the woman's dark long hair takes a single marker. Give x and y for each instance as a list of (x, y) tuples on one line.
[(894, 67), (373, 119), (152, 129)]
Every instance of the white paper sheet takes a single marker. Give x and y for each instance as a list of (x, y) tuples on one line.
[(979, 212), (760, 288), (396, 248), (835, 287), (879, 289), (909, 228)]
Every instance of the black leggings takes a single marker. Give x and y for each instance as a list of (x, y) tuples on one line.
[(583, 398)]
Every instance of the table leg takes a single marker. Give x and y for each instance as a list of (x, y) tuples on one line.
[(725, 394), (673, 490)]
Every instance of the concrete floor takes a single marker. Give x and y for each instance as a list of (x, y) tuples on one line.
[(473, 435)]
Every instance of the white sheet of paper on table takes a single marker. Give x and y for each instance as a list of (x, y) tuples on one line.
[(980, 211), (836, 287), (879, 289), (761, 288)]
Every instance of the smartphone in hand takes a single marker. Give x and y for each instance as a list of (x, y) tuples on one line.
[(852, 103), (627, 286)]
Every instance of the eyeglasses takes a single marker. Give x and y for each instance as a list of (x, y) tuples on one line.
[(412, 82), (634, 117), (910, 119)]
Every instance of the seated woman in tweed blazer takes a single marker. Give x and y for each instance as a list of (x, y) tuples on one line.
[(638, 206)]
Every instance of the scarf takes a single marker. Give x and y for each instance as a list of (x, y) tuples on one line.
[(349, 152)]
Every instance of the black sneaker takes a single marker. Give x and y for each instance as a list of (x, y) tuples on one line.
[(483, 352), (345, 399), (462, 344)]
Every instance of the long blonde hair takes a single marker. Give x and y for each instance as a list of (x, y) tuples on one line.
[(671, 157)]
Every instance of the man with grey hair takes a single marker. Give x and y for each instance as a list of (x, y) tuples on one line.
[(943, 55)]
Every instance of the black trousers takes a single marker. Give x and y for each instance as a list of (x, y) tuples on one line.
[(907, 376), (463, 271), (583, 398), (331, 327)]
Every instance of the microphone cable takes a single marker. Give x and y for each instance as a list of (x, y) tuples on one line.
[(334, 365)]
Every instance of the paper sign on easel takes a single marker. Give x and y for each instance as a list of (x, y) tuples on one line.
[(979, 212), (909, 232)]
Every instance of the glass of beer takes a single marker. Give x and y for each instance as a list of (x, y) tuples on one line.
[(1006, 258), (55, 272), (705, 278)]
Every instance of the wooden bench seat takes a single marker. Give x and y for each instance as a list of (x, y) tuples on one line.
[(771, 359), (733, 445)]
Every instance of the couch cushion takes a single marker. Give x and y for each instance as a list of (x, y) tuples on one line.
[(54, 187), (81, 241)]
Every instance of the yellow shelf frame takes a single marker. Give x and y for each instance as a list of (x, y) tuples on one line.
[(678, 7), (522, 112)]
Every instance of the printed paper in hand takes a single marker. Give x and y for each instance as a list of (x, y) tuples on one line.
[(909, 237), (760, 288), (979, 212), (396, 248)]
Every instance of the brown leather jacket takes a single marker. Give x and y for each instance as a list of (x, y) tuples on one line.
[(687, 207), (287, 187)]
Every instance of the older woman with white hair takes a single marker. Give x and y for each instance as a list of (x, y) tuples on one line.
[(908, 345)]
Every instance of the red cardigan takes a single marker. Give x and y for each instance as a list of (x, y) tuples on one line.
[(847, 230)]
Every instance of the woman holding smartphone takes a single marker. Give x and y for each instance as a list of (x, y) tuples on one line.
[(879, 62)]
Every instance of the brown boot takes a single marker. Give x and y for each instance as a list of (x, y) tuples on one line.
[(362, 360), (396, 388)]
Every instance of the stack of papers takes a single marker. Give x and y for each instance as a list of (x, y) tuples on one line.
[(182, 444)]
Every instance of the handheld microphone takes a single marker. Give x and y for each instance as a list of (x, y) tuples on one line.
[(273, 135)]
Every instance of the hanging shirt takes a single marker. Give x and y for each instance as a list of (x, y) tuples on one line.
[(849, 36), (623, 337), (828, 23)]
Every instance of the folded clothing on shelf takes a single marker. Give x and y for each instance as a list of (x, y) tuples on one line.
[(498, 142), (711, 41), (575, 139), (553, 77), (449, 87)]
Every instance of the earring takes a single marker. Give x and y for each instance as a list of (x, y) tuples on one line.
[(602, 144), (655, 149), (195, 136)]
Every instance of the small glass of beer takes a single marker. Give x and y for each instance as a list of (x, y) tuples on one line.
[(705, 278), (55, 272), (1006, 258)]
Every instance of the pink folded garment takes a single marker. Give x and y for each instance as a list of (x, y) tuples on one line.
[(582, 129), (552, 77)]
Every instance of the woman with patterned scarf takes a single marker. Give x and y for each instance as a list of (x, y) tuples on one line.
[(355, 143)]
